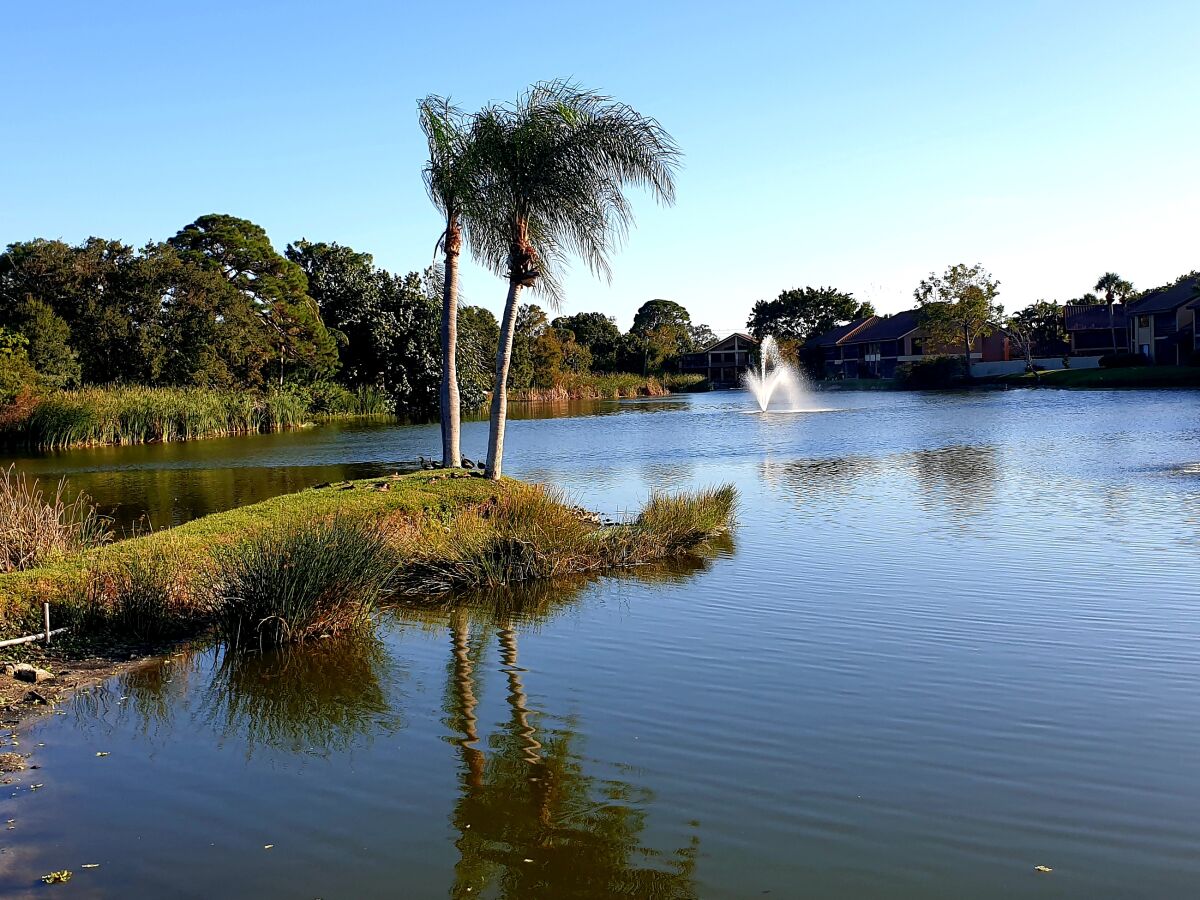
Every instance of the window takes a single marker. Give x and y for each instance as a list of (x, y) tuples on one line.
[(1143, 321)]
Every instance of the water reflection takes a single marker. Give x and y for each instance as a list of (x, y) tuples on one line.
[(319, 698), (808, 479), (962, 480), (531, 821)]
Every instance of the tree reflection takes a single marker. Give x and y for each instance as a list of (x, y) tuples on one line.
[(531, 821), (961, 478), (319, 697)]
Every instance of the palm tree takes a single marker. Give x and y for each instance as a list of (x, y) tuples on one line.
[(452, 184), (1115, 289), (555, 166)]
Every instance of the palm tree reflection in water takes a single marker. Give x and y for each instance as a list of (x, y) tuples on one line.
[(531, 822)]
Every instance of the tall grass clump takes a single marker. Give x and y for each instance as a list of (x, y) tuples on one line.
[(300, 580), (534, 532), (674, 522), (145, 596), (34, 529)]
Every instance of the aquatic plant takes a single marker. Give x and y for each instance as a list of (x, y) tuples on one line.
[(143, 415), (300, 580), (34, 529)]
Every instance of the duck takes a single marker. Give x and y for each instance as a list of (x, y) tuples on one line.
[(467, 464)]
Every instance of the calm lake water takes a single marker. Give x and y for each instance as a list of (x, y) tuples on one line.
[(955, 637)]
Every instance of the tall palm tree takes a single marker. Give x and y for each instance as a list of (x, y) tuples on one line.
[(556, 163), (452, 183), (1115, 289)]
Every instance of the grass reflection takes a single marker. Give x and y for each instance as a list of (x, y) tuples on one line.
[(317, 698)]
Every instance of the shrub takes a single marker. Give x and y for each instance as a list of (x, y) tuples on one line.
[(34, 530), (1123, 360), (681, 383), (931, 374), (301, 580)]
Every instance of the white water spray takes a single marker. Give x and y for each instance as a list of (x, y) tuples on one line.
[(777, 381)]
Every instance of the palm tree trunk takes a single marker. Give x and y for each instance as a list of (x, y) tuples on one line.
[(450, 413), (508, 329)]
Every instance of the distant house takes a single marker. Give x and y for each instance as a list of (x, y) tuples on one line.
[(826, 353), (1162, 323), (1091, 331), (876, 346), (722, 363)]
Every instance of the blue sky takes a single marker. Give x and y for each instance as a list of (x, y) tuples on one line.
[(859, 145)]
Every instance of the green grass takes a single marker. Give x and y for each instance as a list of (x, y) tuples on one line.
[(1134, 377), (315, 562)]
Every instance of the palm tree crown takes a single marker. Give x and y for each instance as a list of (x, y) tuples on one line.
[(554, 167)]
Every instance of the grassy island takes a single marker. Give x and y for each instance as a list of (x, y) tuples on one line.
[(314, 563)]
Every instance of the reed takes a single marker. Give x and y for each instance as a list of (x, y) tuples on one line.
[(34, 529), (300, 580), (144, 415)]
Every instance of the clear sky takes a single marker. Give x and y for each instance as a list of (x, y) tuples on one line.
[(858, 145)]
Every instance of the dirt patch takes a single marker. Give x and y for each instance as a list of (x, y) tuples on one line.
[(73, 668)]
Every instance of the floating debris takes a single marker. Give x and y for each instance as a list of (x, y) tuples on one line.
[(90, 866), (1042, 869), (60, 877), (102, 753), (268, 846)]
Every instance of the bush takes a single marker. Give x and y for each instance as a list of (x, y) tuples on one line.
[(931, 374), (684, 383), (1124, 360), (302, 580)]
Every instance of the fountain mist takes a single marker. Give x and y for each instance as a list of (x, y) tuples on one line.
[(777, 380)]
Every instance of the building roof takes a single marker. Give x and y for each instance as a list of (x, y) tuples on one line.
[(738, 334), (1167, 298), (889, 328), (1085, 317), (837, 335)]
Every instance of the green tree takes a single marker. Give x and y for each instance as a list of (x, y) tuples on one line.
[(17, 375), (597, 333), (702, 336), (274, 286), (1037, 330), (662, 331), (478, 335), (958, 306), (100, 290), (531, 324), (557, 162), (800, 314), (49, 349)]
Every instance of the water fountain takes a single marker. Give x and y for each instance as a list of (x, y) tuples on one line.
[(777, 380)]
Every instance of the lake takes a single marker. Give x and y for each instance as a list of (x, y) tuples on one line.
[(954, 637)]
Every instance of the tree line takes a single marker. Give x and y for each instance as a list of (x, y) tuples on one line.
[(217, 306)]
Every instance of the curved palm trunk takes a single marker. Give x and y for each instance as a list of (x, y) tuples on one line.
[(508, 329), (449, 398)]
